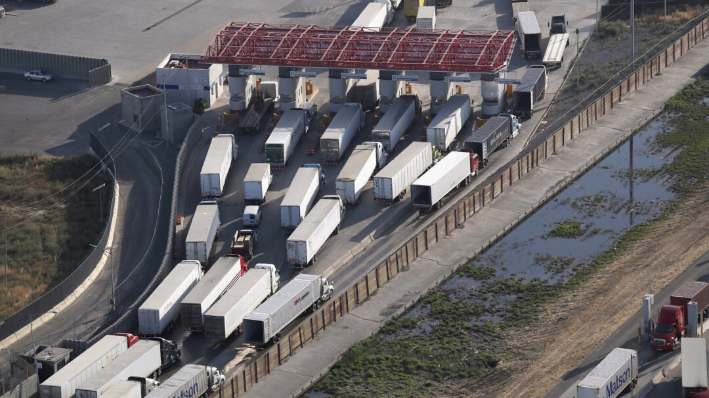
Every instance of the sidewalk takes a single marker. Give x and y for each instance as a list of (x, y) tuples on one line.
[(315, 359)]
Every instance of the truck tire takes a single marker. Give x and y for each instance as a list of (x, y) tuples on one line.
[(316, 305), (276, 337)]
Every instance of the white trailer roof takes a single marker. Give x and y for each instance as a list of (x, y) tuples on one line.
[(426, 12), (370, 17), (528, 22), (285, 294), (168, 285), (606, 368), (301, 182), (396, 110), (694, 362), (289, 119), (448, 110), (211, 279), (257, 171), (202, 223), (240, 289), (278, 137), (218, 149), (401, 160), (128, 358), (88, 357), (121, 389), (311, 222), (356, 161), (555, 48), (167, 389), (340, 122), (449, 161)]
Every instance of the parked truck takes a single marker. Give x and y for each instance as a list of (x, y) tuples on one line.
[(672, 320), (396, 121), (63, 384), (617, 372), (310, 236), (554, 54), (300, 197), (220, 155), (363, 162), (694, 367), (530, 36), (203, 231), (449, 121), (529, 91), (339, 134), (366, 93), (393, 181), (244, 243), (411, 8), (217, 281), (190, 381), (426, 18), (250, 122), (496, 131), (162, 308), (227, 315), (289, 130), (258, 179), (375, 15), (454, 170), (304, 292), (134, 387)]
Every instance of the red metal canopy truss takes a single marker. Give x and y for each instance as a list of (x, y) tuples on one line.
[(361, 48)]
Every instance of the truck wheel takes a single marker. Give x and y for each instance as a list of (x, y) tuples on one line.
[(316, 304), (154, 375), (358, 200), (288, 161), (337, 230), (277, 338)]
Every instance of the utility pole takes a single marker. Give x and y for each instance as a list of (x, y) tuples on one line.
[(665, 14), (34, 352), (164, 95), (5, 244), (597, 12), (578, 58), (110, 254), (632, 33)]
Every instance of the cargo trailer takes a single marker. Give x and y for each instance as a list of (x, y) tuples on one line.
[(454, 170), (392, 182), (396, 122), (250, 122), (162, 308), (554, 54), (365, 159), (281, 144), (227, 315), (221, 153), (217, 281), (190, 381), (694, 365), (300, 197), (258, 179), (613, 375), (530, 90), (134, 387), (426, 18), (310, 236), (64, 383), (302, 293), (374, 15), (449, 122), (496, 131), (204, 229), (530, 36), (340, 133), (366, 94)]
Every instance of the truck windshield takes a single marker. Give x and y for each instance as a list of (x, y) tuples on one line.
[(664, 328)]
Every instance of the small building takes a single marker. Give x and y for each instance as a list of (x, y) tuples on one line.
[(176, 120), (140, 107), (186, 78), (51, 359)]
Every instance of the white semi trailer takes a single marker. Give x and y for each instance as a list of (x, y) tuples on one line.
[(222, 152), (134, 387), (258, 179), (341, 131), (617, 372), (204, 229), (396, 121), (322, 222), (301, 196), (449, 122), (393, 181), (190, 381), (289, 130), (454, 170), (365, 159)]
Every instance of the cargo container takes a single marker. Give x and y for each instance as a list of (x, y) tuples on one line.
[(394, 180), (310, 236), (365, 159), (496, 131), (222, 152), (227, 315), (203, 231), (615, 373), (258, 179), (454, 170), (396, 122), (673, 319), (426, 18), (529, 91), (449, 122), (530, 36), (411, 8), (162, 308), (554, 54), (694, 366), (374, 15), (190, 381), (217, 281), (300, 197), (64, 383), (134, 387), (289, 130), (302, 293), (340, 133)]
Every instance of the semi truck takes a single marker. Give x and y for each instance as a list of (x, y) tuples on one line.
[(426, 18), (694, 367), (304, 292), (449, 122), (310, 236), (244, 243), (190, 381), (289, 130), (162, 308), (617, 372), (147, 358), (227, 315), (393, 181), (203, 231), (339, 134), (672, 320), (300, 197), (454, 170), (496, 131), (530, 36), (63, 384), (365, 159), (258, 179), (396, 121), (220, 155), (217, 281), (529, 91), (134, 387)]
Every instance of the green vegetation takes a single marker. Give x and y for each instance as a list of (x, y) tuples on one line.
[(569, 229), (47, 238)]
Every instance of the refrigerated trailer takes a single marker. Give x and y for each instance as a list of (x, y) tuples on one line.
[(615, 373), (322, 222), (220, 155), (339, 134), (426, 18), (281, 144), (227, 315), (217, 281), (258, 179), (454, 170), (365, 159), (449, 122), (300, 197), (191, 381), (162, 308), (204, 229), (393, 181), (374, 15), (302, 293), (396, 121)]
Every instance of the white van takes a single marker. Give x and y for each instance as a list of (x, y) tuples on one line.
[(252, 215)]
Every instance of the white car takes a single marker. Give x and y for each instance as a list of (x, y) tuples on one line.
[(37, 74), (2, 11)]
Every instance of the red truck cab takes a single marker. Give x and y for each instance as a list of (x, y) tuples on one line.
[(474, 162), (132, 339), (669, 329), (699, 394)]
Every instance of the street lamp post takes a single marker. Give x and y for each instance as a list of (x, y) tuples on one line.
[(100, 204), (110, 254)]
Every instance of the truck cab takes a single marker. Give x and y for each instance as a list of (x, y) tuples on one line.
[(319, 167), (147, 385), (475, 163), (516, 126), (215, 377), (326, 291), (382, 155), (275, 276), (170, 352), (670, 328), (342, 207), (558, 24)]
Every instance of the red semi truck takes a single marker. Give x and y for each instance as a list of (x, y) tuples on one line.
[(672, 320)]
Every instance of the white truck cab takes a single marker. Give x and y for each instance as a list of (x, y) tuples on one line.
[(382, 154), (216, 378), (516, 125)]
